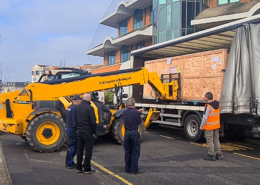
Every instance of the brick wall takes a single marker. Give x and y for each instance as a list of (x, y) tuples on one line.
[(130, 24), (148, 42), (107, 69), (243, 1), (106, 59), (147, 16), (214, 3), (118, 31), (118, 57)]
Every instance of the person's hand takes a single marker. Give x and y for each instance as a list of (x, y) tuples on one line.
[(141, 110), (201, 128)]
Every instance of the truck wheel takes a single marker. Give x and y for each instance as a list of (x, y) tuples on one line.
[(192, 128), (118, 131), (46, 133)]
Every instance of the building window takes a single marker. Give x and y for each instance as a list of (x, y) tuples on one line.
[(221, 2), (123, 27), (42, 72), (125, 53), (33, 72), (140, 45), (37, 72), (172, 18), (138, 19), (111, 58), (190, 9)]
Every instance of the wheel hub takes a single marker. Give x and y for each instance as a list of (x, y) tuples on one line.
[(192, 128), (47, 133)]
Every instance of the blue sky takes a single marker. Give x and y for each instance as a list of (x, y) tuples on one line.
[(47, 32)]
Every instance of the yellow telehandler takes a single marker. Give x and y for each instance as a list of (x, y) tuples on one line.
[(38, 112)]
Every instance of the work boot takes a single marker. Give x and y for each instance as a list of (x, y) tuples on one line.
[(92, 170), (210, 158), (219, 157), (135, 173), (69, 167)]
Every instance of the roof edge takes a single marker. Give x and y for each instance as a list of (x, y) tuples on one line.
[(210, 31)]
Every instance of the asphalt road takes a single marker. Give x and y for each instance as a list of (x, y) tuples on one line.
[(166, 158)]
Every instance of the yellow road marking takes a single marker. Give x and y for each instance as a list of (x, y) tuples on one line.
[(239, 146), (167, 137), (250, 145), (204, 145), (111, 173), (247, 156), (227, 146)]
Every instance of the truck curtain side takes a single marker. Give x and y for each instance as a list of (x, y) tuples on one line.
[(238, 91)]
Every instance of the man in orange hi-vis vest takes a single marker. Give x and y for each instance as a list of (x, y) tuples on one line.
[(210, 124)]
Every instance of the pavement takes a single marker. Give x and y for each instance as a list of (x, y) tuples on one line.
[(166, 158), (4, 173)]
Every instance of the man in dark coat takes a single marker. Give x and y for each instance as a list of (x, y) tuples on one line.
[(86, 128)]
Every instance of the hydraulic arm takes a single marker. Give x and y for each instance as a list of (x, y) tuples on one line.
[(139, 76)]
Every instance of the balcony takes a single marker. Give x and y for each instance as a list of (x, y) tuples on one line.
[(111, 44), (124, 11), (223, 14)]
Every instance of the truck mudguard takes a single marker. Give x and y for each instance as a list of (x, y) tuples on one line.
[(43, 110)]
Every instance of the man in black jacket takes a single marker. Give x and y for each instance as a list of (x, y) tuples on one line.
[(86, 128)]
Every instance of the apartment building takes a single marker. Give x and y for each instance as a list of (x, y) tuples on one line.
[(133, 21), (14, 86), (38, 70)]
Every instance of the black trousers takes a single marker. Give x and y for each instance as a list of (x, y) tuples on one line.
[(72, 147), (132, 148), (85, 141)]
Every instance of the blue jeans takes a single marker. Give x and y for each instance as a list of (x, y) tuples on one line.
[(72, 146)]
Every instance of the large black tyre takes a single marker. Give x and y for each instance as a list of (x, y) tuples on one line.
[(24, 138), (117, 133), (32, 133), (192, 128)]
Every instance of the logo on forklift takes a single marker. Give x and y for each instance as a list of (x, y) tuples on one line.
[(24, 102), (117, 80)]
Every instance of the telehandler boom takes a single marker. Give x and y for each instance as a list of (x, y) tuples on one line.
[(38, 112)]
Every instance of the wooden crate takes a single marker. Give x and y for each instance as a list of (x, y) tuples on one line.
[(200, 73)]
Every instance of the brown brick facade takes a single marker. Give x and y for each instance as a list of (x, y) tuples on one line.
[(214, 3), (147, 16), (106, 69), (148, 42), (118, 57), (105, 59), (130, 24)]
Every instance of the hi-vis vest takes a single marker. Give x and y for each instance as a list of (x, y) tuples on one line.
[(213, 121)]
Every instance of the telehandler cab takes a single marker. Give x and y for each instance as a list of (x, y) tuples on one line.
[(38, 112)]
